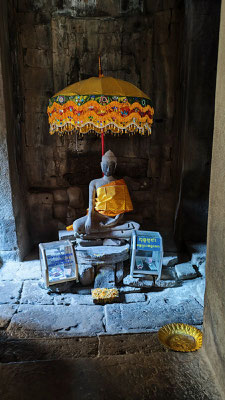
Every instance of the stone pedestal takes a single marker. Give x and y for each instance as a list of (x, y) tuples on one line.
[(102, 265)]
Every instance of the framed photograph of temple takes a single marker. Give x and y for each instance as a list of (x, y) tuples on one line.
[(58, 262), (147, 254)]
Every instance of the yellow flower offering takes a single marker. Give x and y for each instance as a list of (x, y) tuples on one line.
[(104, 295)]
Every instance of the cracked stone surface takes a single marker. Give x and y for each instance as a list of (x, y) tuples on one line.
[(158, 376), (86, 274), (38, 320), (13, 270), (134, 297), (105, 277), (6, 313), (138, 317), (27, 310), (10, 292), (33, 294), (73, 299)]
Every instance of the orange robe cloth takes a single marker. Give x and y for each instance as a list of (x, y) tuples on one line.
[(112, 199)]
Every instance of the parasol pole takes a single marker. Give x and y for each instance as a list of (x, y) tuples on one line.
[(102, 140), (100, 75)]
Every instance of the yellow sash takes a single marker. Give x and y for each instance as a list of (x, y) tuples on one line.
[(113, 199)]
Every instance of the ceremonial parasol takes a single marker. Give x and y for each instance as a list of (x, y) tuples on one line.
[(101, 105)]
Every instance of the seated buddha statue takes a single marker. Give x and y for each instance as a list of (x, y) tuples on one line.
[(109, 199)]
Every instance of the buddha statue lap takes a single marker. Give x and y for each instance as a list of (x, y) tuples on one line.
[(109, 199)]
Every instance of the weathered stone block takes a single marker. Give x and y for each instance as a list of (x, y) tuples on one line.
[(38, 79), (37, 58), (40, 198), (136, 317), (170, 261), (35, 104), (7, 255), (75, 197), (71, 215), (45, 320), (90, 242), (43, 36), (60, 211), (28, 36), (33, 294), (112, 242), (119, 272), (129, 289), (10, 292), (18, 271), (8, 239), (86, 274), (132, 184), (36, 128), (60, 196), (197, 252), (201, 268), (43, 157), (72, 299), (135, 297), (105, 277), (81, 170), (162, 22), (6, 313), (159, 5), (165, 179), (153, 167), (141, 196), (168, 274), (137, 282), (137, 147), (43, 226), (102, 254), (185, 271), (133, 167)]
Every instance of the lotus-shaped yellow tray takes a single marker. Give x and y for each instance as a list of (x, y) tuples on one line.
[(180, 337)]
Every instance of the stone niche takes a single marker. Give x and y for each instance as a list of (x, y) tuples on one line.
[(143, 42)]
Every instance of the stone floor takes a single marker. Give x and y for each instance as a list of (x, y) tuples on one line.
[(62, 346), (29, 311), (126, 367)]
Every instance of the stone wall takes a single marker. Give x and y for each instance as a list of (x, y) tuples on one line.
[(14, 240), (141, 41), (59, 43), (196, 115), (214, 340)]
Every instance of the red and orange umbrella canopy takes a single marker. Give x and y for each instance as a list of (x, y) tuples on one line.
[(100, 104)]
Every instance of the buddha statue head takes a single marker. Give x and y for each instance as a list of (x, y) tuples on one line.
[(108, 163)]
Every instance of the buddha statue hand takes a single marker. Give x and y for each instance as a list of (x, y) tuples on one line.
[(88, 224), (111, 221)]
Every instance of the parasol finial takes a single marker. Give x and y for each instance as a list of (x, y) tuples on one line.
[(100, 74)]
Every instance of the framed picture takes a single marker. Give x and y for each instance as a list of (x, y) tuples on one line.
[(147, 253), (58, 262)]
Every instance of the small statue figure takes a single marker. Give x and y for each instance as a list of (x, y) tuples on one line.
[(109, 199)]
